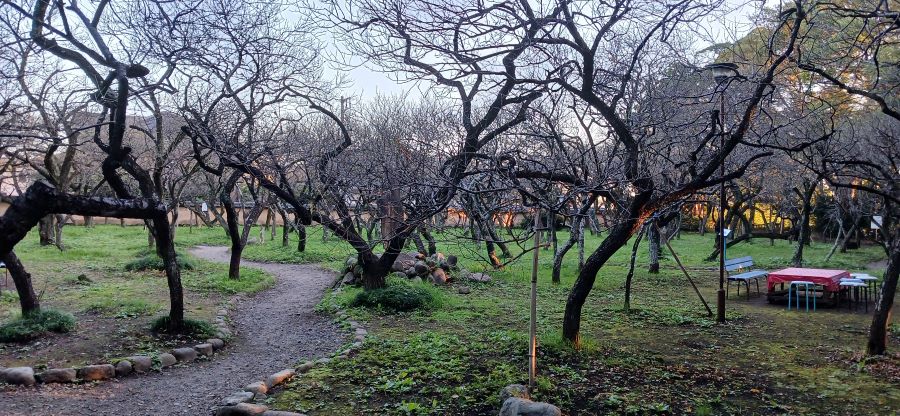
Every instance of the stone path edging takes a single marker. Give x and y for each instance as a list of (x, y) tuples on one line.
[(239, 403), (283, 316), (134, 364)]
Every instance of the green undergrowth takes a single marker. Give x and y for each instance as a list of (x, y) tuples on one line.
[(331, 252), (400, 295), (9, 297), (666, 355), (431, 373), (122, 307), (417, 375), (115, 307), (213, 277), (35, 324), (192, 327), (146, 260)]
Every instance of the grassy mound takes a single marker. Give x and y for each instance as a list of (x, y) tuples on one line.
[(398, 296), (192, 327), (150, 261), (33, 325)]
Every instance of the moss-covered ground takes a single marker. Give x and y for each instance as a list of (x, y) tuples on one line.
[(665, 356)]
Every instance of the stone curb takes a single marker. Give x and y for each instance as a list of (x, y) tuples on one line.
[(136, 364), (239, 402)]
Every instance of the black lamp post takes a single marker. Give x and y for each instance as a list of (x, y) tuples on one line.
[(722, 73)]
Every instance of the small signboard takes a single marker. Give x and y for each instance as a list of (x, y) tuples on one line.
[(877, 220), (204, 207)]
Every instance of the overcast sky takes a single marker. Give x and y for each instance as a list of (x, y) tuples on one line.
[(368, 82)]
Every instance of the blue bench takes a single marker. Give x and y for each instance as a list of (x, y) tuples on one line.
[(742, 265)]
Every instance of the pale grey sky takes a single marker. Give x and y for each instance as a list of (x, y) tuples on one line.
[(367, 81)]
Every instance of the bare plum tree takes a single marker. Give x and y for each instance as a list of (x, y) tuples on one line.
[(65, 30), (659, 146)]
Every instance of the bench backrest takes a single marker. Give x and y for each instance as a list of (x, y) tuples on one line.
[(738, 263)]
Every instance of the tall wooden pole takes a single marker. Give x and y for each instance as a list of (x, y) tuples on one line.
[(532, 339)]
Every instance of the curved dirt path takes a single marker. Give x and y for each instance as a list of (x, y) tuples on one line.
[(274, 329)]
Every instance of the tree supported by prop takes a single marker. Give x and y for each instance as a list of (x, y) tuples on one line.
[(41, 199)]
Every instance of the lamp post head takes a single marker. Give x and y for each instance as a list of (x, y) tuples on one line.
[(722, 71)]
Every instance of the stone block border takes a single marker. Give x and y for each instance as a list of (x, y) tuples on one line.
[(136, 364), (239, 403)]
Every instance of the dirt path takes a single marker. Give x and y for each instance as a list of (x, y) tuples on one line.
[(275, 329), (878, 265)]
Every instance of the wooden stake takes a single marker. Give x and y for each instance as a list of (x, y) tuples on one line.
[(677, 260), (532, 339)]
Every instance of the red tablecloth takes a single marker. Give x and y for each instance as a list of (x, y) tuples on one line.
[(831, 279)]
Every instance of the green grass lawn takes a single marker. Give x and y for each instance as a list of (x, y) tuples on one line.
[(666, 356), (113, 307)]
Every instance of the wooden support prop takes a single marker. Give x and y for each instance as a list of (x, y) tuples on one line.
[(677, 260), (532, 339)]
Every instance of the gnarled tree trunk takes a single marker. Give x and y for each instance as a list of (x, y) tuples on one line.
[(234, 234), (488, 244), (654, 249), (432, 244), (804, 230), (491, 231), (28, 300), (630, 276), (301, 237), (417, 240), (286, 226), (45, 230), (41, 199), (877, 344), (617, 237), (165, 249), (576, 235)]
